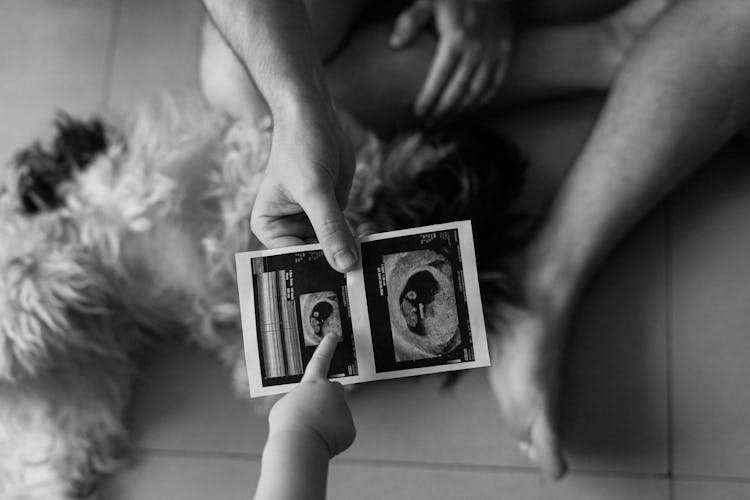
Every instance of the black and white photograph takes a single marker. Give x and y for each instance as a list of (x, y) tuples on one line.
[(293, 315), (417, 301), (412, 308), (207, 204)]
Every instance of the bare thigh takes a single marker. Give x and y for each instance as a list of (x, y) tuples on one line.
[(332, 22), (225, 82), (550, 12), (352, 39), (375, 83)]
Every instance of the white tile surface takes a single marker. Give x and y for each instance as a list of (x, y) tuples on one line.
[(615, 394), (390, 482), (417, 420), (165, 477), (156, 477), (711, 490), (54, 57), (184, 401), (157, 51), (710, 286)]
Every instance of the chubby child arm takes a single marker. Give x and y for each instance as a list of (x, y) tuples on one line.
[(307, 428)]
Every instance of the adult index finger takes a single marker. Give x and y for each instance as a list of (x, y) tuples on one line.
[(320, 362)]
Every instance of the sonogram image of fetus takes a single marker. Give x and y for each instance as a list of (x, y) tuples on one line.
[(417, 299), (320, 316), (421, 304)]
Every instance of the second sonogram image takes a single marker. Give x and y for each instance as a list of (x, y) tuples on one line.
[(320, 316), (421, 304)]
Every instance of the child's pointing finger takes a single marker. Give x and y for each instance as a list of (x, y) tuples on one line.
[(320, 362)]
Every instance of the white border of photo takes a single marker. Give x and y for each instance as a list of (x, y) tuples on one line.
[(359, 313)]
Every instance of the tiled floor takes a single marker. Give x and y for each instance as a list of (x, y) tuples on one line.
[(656, 399)]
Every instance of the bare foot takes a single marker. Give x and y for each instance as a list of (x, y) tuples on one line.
[(526, 352)]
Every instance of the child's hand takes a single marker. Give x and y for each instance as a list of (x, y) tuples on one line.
[(316, 407), (469, 66)]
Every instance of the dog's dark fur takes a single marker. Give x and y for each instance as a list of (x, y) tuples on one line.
[(41, 171)]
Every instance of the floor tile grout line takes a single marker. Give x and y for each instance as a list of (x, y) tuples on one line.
[(532, 471), (669, 325), (110, 57), (254, 457), (234, 455), (712, 479), (194, 453)]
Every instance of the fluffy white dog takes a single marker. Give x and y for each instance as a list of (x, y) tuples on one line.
[(113, 238)]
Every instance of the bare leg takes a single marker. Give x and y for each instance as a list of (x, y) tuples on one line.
[(668, 111), (555, 12), (559, 60), (226, 83), (378, 84)]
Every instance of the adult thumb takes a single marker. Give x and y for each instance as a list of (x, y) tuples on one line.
[(331, 229)]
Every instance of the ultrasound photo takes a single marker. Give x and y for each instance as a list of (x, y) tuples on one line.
[(417, 301), (421, 304), (299, 298), (320, 316), (412, 308)]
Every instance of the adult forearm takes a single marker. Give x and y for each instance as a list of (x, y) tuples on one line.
[(295, 467), (684, 91), (274, 41)]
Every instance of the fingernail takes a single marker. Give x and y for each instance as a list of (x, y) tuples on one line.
[(344, 259)]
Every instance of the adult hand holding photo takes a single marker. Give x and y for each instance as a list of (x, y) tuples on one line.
[(311, 164), (306, 186)]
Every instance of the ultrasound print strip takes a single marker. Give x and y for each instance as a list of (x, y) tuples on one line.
[(417, 302), (421, 305), (280, 349), (299, 298), (395, 316)]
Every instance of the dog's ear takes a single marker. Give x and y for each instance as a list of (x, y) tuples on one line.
[(430, 178), (40, 170), (51, 300)]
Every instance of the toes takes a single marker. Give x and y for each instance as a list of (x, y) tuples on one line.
[(544, 449)]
